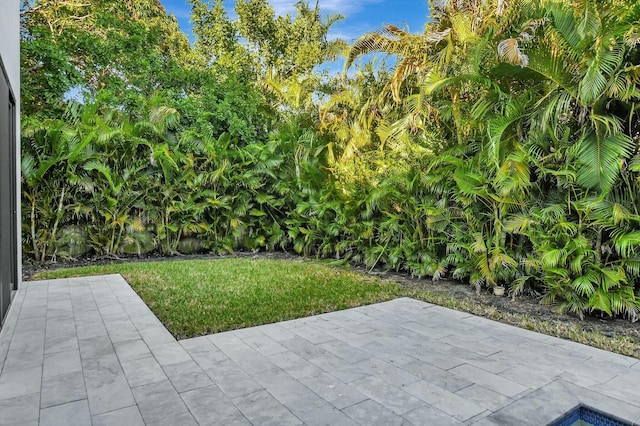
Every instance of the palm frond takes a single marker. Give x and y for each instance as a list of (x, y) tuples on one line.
[(601, 159), (588, 24), (390, 40)]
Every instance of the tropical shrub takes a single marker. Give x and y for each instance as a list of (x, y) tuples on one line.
[(501, 148)]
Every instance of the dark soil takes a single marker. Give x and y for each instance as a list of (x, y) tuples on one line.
[(528, 305)]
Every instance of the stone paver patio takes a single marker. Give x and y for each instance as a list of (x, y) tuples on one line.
[(89, 351)]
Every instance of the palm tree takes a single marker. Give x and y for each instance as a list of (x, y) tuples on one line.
[(582, 58)]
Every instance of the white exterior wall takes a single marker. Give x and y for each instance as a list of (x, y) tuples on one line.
[(10, 53), (10, 40)]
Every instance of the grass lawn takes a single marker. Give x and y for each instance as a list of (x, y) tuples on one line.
[(196, 297)]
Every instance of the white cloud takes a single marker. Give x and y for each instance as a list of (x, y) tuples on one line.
[(346, 30), (283, 7), (349, 34), (345, 7), (181, 12), (342, 30)]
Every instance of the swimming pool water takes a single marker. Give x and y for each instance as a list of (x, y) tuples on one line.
[(585, 416)]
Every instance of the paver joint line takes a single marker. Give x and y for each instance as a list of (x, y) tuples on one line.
[(104, 358)]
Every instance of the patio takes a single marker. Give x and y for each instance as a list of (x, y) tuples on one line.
[(89, 351)]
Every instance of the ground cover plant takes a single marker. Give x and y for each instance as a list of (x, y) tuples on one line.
[(502, 148)]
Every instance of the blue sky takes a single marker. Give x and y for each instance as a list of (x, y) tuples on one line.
[(361, 15)]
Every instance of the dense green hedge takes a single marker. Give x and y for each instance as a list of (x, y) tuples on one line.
[(503, 149)]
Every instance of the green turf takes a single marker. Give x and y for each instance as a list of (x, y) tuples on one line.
[(196, 297)]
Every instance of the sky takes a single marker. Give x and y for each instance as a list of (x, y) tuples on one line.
[(361, 15)]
